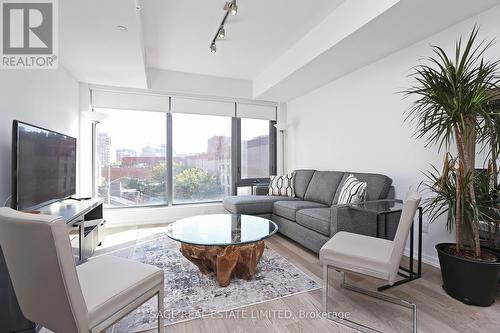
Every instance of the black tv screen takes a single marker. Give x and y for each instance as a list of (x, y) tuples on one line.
[(43, 165)]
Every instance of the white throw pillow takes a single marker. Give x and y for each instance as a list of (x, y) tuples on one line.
[(282, 185), (353, 191)]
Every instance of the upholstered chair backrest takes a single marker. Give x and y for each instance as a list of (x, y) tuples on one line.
[(410, 207), (42, 269)]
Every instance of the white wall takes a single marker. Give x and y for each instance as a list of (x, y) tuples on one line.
[(197, 84), (85, 142), (356, 122), (47, 98)]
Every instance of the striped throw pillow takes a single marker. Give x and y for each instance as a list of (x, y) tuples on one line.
[(353, 191), (282, 185)]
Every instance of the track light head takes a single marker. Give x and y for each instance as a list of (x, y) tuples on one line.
[(222, 33), (232, 7), (213, 48)]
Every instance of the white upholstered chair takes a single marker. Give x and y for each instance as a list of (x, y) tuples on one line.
[(375, 257), (63, 298)]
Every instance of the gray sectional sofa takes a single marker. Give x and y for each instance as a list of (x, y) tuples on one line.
[(312, 217)]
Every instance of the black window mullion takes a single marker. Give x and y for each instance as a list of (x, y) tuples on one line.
[(170, 162), (272, 157), (272, 149), (235, 154)]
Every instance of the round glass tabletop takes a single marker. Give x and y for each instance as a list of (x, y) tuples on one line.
[(221, 229)]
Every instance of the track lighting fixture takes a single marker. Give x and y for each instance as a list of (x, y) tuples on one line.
[(233, 7), (229, 7), (222, 33)]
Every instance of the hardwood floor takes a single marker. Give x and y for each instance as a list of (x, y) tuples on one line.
[(437, 312)]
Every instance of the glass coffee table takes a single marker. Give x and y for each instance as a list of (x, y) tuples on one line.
[(230, 245)]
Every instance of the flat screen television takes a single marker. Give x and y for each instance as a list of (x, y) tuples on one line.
[(43, 166)]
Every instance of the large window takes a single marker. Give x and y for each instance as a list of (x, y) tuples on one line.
[(201, 157), (181, 151), (131, 158), (255, 148)]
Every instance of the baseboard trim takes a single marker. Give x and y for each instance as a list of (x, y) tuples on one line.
[(152, 222), (430, 260)]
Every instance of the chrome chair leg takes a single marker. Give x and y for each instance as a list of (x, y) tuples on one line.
[(383, 297), (161, 301), (386, 298), (325, 288)]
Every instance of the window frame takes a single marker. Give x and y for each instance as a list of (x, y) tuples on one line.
[(236, 179), (170, 156), (95, 192)]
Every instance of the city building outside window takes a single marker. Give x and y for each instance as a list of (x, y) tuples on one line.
[(132, 164), (255, 149), (201, 157)]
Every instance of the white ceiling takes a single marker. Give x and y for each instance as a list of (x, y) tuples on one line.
[(94, 50), (178, 33), (283, 48), (322, 57)]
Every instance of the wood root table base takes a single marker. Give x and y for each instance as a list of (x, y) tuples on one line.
[(226, 261)]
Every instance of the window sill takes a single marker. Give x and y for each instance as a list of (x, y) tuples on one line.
[(194, 204), (133, 216)]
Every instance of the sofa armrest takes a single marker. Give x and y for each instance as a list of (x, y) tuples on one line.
[(364, 221), (392, 193), (344, 218)]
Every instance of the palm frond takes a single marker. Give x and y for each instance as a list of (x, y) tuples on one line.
[(452, 92)]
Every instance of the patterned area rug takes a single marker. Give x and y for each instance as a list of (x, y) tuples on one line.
[(190, 294)]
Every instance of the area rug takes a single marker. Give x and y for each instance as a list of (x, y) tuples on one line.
[(191, 295)]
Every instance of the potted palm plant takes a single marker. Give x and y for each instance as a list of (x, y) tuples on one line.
[(453, 111)]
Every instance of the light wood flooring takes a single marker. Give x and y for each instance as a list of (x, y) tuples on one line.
[(437, 312)]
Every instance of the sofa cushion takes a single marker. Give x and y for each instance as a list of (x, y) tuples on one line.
[(302, 179), (377, 185), (323, 186), (282, 185), (317, 219), (306, 237), (288, 209), (252, 204), (352, 191)]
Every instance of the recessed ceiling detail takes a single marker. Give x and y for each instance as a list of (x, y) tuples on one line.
[(272, 50), (177, 37), (101, 42)]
